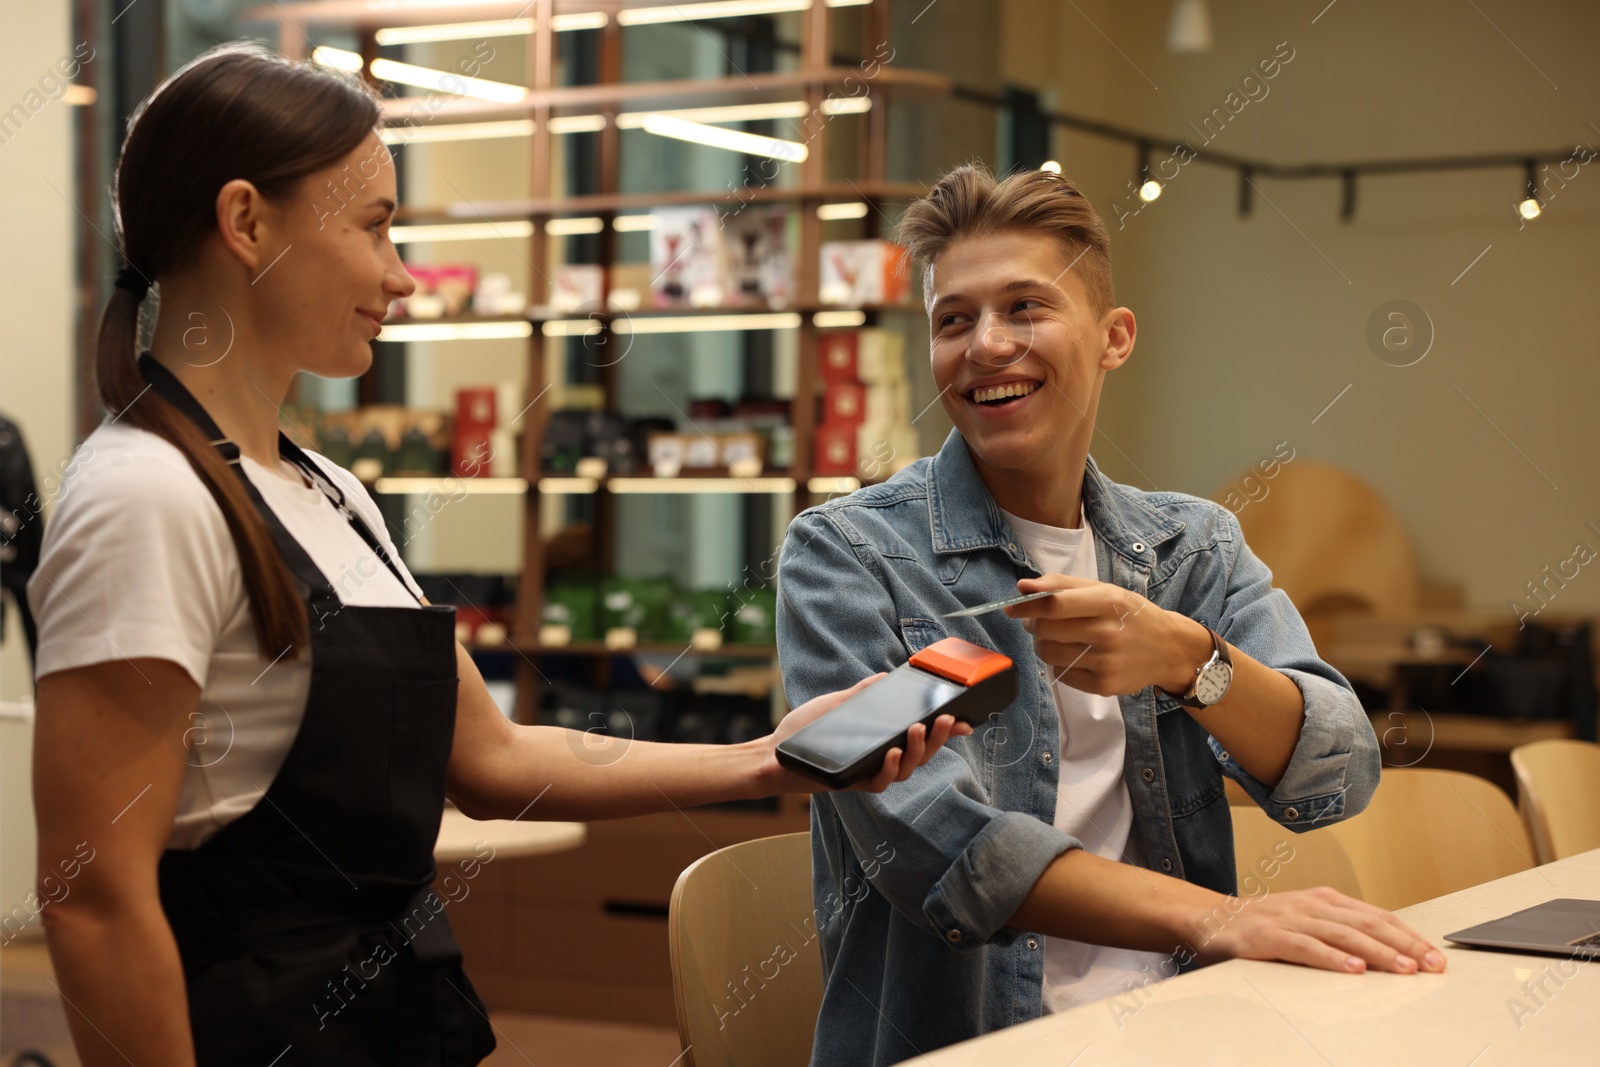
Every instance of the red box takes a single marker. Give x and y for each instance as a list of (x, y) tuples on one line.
[(475, 408), (836, 355), (834, 450), (844, 404)]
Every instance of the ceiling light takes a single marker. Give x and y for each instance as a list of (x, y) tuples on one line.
[(1149, 188), (460, 131), (1530, 207), (390, 70), (732, 140), (460, 231), (1189, 28)]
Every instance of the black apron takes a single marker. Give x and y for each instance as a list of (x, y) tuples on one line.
[(308, 929)]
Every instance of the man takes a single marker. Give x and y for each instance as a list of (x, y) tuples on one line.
[(1080, 844)]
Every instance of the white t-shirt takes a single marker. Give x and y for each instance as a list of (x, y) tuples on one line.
[(1092, 799), (138, 562)]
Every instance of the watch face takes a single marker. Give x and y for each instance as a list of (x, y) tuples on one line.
[(1212, 685)]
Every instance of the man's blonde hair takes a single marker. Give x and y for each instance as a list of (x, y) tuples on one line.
[(970, 202)]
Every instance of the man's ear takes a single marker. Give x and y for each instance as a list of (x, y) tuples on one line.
[(243, 224), (1120, 329)]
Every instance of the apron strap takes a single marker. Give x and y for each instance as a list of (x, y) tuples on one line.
[(320, 591)]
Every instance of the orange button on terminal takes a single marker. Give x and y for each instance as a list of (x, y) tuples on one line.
[(960, 661)]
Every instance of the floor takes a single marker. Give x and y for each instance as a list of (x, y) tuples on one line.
[(32, 1018)]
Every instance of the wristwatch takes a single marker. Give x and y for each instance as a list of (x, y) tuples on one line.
[(1211, 679)]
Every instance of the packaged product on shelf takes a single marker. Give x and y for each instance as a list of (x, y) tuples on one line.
[(634, 610), (760, 273), (666, 453), (859, 273), (577, 288), (687, 259), (755, 614), (888, 402), (844, 403), (693, 613), (562, 444), (444, 289), (834, 449), (571, 612), (494, 296), (742, 450), (780, 447), (471, 449), (629, 283), (837, 355), (880, 356)]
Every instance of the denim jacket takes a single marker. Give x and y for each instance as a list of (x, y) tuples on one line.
[(913, 886)]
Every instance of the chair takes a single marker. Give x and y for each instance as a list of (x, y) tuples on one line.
[(1260, 848), (1558, 793), (746, 965), (1431, 832)]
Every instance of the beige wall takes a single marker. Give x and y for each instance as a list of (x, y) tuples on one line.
[(1249, 327), (35, 365), (36, 276)]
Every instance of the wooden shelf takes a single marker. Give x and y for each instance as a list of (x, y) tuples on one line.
[(523, 210)]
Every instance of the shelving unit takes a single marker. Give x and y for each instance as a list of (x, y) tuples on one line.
[(534, 930)]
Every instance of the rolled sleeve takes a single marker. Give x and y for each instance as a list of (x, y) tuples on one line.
[(1336, 762), (960, 866)]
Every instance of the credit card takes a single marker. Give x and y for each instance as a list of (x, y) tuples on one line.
[(996, 605)]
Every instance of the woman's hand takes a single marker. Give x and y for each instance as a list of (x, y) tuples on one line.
[(898, 765)]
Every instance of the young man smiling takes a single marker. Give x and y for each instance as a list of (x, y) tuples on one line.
[(1081, 841)]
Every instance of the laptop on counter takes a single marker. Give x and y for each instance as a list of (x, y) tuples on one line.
[(1564, 927)]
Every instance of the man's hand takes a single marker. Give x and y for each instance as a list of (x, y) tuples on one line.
[(897, 766), (1110, 641), (1322, 928)]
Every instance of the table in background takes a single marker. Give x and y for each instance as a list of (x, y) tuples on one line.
[(1245, 1011)]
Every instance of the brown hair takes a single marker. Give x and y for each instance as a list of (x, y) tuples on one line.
[(237, 111), (969, 202)]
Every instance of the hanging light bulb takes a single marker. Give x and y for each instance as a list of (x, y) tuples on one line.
[(1050, 166), (1149, 188), (1189, 28), (1530, 207)]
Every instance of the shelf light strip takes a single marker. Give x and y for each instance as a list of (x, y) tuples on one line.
[(732, 140), (701, 485), (833, 485), (627, 120), (456, 331), (462, 231), (463, 31), (491, 486), (785, 320)]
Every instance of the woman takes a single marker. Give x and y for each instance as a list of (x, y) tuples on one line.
[(201, 569)]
